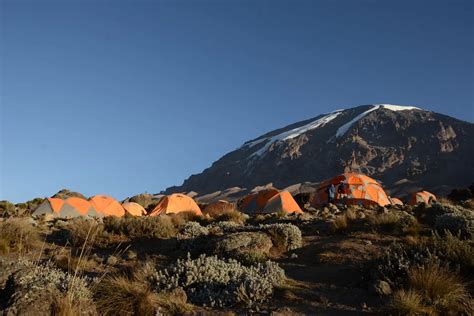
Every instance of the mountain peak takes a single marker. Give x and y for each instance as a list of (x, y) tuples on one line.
[(403, 146)]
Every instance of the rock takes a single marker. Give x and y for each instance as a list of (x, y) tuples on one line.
[(294, 256), (112, 260), (381, 288), (361, 215), (367, 242)]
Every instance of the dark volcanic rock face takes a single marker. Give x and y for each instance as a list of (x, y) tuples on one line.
[(405, 148)]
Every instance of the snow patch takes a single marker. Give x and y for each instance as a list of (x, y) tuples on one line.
[(291, 133), (344, 128)]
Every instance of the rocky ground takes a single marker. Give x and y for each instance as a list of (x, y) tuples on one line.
[(336, 260)]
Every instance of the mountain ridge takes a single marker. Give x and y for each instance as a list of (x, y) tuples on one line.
[(399, 145)]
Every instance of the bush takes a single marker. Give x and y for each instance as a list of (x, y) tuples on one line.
[(284, 236), (248, 247), (42, 289), (448, 251), (88, 232), (18, 234), (192, 230), (7, 209), (141, 227), (394, 222), (457, 223), (210, 281)]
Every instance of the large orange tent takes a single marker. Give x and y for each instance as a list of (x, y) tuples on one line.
[(71, 207), (422, 197), (355, 189), (218, 207), (176, 203), (255, 202), (107, 205), (282, 202), (134, 208)]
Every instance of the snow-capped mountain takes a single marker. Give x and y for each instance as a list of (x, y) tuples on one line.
[(405, 147)]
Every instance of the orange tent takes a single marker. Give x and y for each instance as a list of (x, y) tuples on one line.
[(176, 203), (256, 202), (134, 208), (107, 205), (219, 207), (422, 197), (395, 201), (352, 189), (282, 202), (71, 207)]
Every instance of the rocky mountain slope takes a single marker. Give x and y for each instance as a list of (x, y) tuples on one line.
[(406, 148)]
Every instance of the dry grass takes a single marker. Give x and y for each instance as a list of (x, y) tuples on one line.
[(18, 234), (141, 227), (120, 295), (82, 230), (181, 218), (69, 263), (232, 215), (340, 224), (63, 306), (440, 288), (385, 221), (408, 303)]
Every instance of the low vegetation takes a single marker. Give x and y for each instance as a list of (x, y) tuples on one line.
[(18, 235)]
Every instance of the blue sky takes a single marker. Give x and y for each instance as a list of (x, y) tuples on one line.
[(123, 97)]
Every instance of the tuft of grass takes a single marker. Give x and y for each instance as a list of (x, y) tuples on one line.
[(64, 306), (408, 303), (69, 263), (181, 218), (340, 224), (440, 288), (386, 222), (18, 234), (120, 295), (232, 215)]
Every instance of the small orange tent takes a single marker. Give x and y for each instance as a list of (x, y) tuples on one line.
[(256, 202), (282, 202), (134, 208), (219, 207), (71, 207), (395, 201), (352, 189), (422, 197), (176, 203), (107, 205)]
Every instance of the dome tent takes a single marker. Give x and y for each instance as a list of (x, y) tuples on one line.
[(255, 202), (282, 202), (134, 209), (355, 189), (68, 208), (107, 205), (176, 203), (422, 197)]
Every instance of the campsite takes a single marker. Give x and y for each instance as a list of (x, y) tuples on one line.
[(263, 253), (236, 157)]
